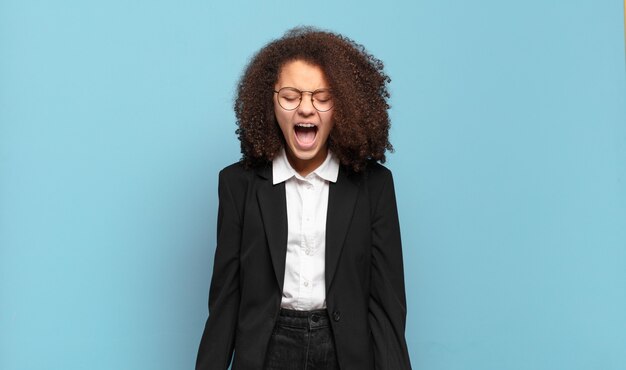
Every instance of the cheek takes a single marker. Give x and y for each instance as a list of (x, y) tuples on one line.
[(283, 122), (329, 123)]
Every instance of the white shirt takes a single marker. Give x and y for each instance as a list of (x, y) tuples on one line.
[(304, 287)]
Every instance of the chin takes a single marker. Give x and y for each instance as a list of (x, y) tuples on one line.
[(306, 156)]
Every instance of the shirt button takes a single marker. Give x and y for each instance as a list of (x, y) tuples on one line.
[(306, 283)]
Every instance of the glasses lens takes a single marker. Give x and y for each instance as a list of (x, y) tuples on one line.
[(322, 100), (289, 98)]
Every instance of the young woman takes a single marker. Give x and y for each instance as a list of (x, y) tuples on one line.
[(308, 267)]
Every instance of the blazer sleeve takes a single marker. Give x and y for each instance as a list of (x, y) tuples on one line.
[(218, 340), (387, 303)]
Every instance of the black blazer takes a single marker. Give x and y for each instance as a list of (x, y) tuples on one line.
[(364, 275)]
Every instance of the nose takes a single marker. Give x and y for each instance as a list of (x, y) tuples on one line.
[(306, 107)]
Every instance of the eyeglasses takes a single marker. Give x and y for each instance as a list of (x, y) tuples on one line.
[(289, 98)]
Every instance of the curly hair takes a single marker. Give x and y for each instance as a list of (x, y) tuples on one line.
[(361, 123)]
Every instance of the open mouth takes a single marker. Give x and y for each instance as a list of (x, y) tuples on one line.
[(305, 133)]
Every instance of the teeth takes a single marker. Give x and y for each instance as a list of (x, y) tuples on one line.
[(305, 125)]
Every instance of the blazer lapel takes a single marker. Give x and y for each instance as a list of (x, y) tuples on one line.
[(342, 197), (273, 205)]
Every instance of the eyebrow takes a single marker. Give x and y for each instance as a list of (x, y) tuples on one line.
[(309, 91)]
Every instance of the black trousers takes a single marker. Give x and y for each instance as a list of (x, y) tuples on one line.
[(301, 340)]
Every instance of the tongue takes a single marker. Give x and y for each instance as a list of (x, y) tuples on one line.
[(305, 135)]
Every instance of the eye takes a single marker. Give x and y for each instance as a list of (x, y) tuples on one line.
[(290, 95), (322, 96)]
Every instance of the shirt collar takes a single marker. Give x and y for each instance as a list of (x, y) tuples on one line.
[(282, 170)]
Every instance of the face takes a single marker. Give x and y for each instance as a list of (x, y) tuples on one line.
[(305, 129)]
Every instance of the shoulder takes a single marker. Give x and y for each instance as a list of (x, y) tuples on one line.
[(377, 169), (375, 178), (238, 170), (237, 176), (373, 171), (234, 170), (377, 175)]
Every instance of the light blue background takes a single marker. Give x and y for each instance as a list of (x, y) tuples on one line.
[(509, 123)]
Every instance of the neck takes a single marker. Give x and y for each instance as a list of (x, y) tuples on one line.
[(305, 166)]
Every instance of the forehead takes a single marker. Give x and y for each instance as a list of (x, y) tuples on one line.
[(301, 75)]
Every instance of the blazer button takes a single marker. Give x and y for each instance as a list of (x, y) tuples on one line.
[(336, 315)]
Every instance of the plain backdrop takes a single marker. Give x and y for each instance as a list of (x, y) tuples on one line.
[(509, 124)]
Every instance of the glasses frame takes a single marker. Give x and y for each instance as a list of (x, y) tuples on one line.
[(301, 92)]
